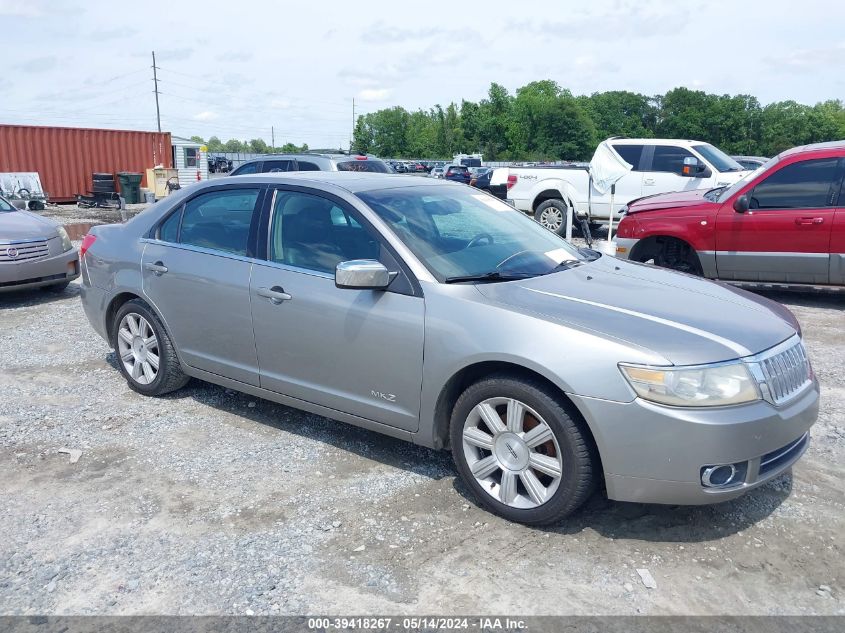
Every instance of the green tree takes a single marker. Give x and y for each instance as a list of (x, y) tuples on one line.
[(214, 145), (258, 146)]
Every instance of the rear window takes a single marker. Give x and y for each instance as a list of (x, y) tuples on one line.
[(458, 168), (364, 165), (630, 154)]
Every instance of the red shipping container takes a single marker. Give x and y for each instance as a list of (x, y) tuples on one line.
[(65, 157)]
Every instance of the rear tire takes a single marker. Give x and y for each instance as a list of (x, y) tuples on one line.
[(551, 215), (539, 464), (145, 354)]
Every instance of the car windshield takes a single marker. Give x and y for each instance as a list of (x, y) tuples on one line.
[(727, 192), (464, 235), (363, 165), (716, 157), (5, 206)]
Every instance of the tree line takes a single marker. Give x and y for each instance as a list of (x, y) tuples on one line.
[(543, 121), (255, 146)]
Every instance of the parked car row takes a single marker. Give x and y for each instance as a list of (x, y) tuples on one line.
[(783, 223)]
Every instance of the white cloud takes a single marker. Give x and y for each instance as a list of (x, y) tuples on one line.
[(280, 103), (206, 115), (21, 8), (374, 94)]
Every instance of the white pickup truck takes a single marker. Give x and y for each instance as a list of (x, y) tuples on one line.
[(659, 166)]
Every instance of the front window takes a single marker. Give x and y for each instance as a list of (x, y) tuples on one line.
[(5, 206), (669, 158), (459, 233), (716, 157), (375, 166), (314, 233), (802, 185)]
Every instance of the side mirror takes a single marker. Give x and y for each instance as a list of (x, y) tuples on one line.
[(741, 204), (362, 274), (693, 168)]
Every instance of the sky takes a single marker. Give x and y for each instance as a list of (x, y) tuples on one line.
[(236, 69)]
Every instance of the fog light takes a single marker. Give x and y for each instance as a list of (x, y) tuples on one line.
[(723, 475)]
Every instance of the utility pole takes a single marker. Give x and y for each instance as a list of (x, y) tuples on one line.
[(352, 136), (273, 138), (155, 82)]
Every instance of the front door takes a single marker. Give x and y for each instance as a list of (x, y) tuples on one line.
[(196, 273), (356, 351), (785, 234), (664, 172)]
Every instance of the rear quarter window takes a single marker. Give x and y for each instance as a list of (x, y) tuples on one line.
[(363, 165)]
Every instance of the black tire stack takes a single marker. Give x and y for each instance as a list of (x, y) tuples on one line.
[(103, 183)]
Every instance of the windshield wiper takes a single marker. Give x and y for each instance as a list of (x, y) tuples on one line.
[(493, 275)]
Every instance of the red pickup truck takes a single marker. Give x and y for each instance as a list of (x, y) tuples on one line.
[(782, 224)]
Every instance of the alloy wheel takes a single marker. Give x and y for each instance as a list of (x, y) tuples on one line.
[(512, 453), (551, 218), (138, 348)]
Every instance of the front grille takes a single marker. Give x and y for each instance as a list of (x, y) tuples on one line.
[(23, 251), (784, 455), (784, 373)]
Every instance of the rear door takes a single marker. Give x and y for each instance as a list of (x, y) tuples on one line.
[(629, 187), (785, 236), (356, 351), (196, 273)]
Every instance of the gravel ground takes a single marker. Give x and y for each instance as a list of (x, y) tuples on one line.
[(208, 501)]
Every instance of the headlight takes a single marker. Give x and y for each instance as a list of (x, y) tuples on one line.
[(66, 243), (702, 386)]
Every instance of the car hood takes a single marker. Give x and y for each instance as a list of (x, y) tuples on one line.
[(674, 200), (23, 225), (684, 319)]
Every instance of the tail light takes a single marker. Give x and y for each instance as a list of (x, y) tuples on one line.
[(511, 181), (87, 241), (360, 158)]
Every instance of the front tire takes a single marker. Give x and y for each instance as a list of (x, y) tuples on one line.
[(146, 356), (521, 450), (551, 215)]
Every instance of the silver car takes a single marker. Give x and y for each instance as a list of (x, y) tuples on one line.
[(35, 251), (435, 313)]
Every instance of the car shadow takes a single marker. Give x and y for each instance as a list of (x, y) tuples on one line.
[(827, 300), (371, 445), (611, 519), (37, 296), (667, 523)]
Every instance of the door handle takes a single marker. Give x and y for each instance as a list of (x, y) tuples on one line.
[(807, 221), (648, 181), (276, 294), (157, 269)]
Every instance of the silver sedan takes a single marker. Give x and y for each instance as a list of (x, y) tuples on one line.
[(35, 252), (432, 312)]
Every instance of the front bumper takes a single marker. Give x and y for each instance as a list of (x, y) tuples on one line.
[(623, 247), (46, 271), (655, 454)]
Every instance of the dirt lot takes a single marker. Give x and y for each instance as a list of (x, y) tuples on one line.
[(209, 501)]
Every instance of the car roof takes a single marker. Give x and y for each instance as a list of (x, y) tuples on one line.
[(814, 147), (351, 181), (305, 156)]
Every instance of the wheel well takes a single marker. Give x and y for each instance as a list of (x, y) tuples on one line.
[(467, 376), (653, 244), (548, 194), (114, 306)]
